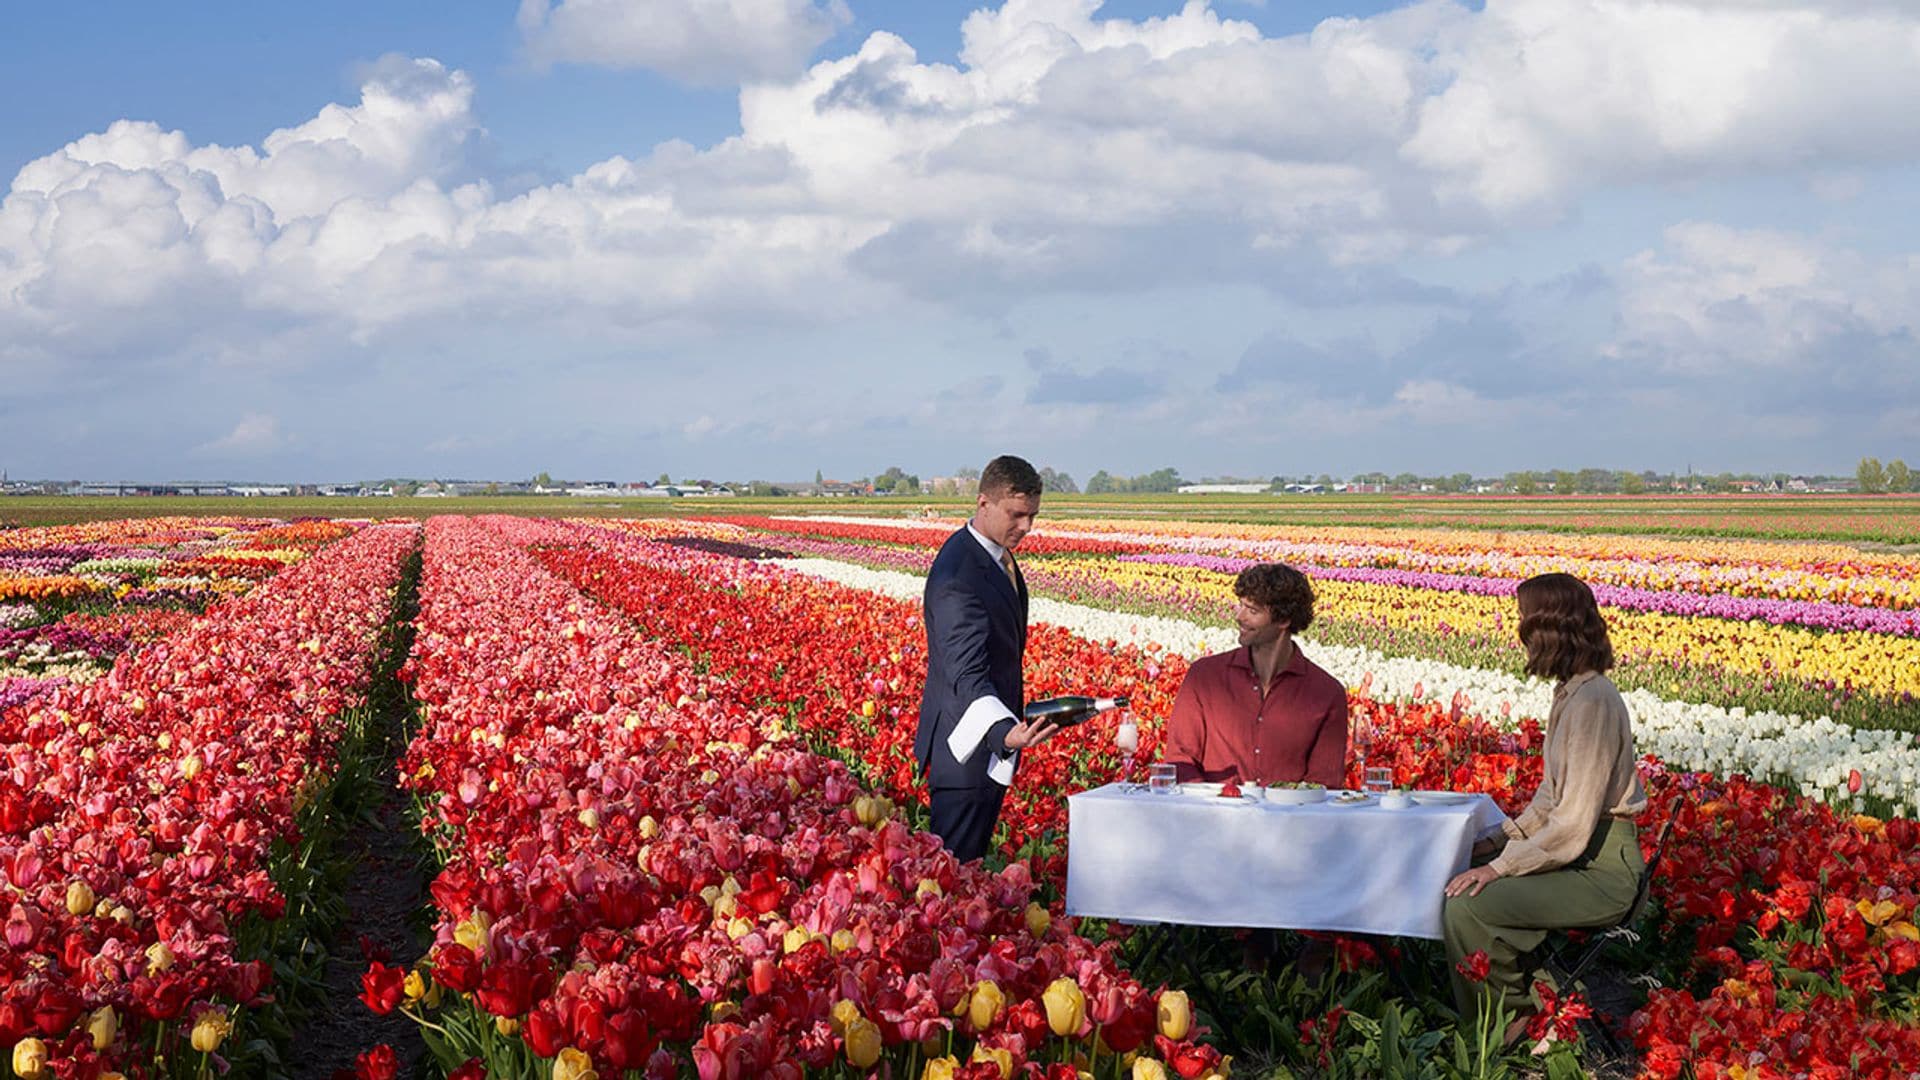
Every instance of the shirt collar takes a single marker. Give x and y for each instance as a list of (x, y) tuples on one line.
[(1242, 657), (994, 551), (1573, 684)]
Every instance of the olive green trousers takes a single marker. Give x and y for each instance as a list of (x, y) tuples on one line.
[(1511, 916)]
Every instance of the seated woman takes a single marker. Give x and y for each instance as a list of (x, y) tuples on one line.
[(1572, 859)]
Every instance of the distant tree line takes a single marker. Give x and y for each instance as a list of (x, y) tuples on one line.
[(1157, 482), (1876, 478)]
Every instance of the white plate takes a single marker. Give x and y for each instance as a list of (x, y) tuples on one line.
[(1283, 796), (1363, 800), (1442, 798), (1201, 789)]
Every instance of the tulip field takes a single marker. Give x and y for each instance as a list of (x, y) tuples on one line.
[(662, 784)]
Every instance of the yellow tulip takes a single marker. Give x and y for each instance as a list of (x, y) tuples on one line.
[(1877, 913), (863, 1042), (844, 1012), (507, 1025), (159, 958), (414, 985), (30, 1059), (985, 1003), (80, 898), (927, 887), (942, 1068), (572, 1064), (473, 932), (1066, 1006), (1038, 921), (191, 765), (1174, 1014), (210, 1030), (843, 940), (102, 1025), (1001, 1058), (1148, 1069)]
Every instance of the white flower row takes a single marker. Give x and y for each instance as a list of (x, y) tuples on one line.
[(1814, 756)]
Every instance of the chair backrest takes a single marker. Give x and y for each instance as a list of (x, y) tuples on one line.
[(1644, 889)]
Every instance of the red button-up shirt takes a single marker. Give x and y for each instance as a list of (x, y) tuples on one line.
[(1222, 726)]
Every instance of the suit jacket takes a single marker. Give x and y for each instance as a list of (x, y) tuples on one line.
[(976, 635)]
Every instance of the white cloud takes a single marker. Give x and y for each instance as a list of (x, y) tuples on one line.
[(255, 434), (1719, 300), (709, 42), (1547, 97)]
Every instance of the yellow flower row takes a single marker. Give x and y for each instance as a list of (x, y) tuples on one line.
[(1876, 663)]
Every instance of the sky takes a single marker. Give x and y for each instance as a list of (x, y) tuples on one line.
[(752, 239)]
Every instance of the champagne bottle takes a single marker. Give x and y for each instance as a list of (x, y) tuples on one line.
[(1072, 709)]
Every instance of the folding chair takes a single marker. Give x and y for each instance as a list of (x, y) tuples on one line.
[(1589, 947)]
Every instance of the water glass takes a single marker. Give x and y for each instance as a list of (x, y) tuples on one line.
[(1379, 779), (1161, 776)]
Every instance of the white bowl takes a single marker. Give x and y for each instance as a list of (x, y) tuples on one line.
[(1395, 800), (1285, 796)]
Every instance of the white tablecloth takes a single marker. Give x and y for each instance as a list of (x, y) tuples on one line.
[(1208, 861)]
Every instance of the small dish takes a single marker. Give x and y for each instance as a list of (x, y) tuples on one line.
[(1442, 798), (1292, 796), (1352, 798), (1395, 800)]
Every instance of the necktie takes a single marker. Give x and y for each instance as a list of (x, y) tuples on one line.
[(1006, 563)]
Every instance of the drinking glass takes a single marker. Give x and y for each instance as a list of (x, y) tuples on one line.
[(1379, 779), (1161, 777), (1126, 739)]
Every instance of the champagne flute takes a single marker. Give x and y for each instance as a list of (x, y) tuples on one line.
[(1126, 738)]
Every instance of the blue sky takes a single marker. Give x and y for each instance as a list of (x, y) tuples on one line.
[(611, 239)]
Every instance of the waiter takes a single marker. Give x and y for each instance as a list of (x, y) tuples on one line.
[(975, 609)]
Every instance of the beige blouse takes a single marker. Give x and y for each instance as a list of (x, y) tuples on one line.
[(1589, 776)]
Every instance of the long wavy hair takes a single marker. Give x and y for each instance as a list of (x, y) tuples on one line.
[(1561, 627)]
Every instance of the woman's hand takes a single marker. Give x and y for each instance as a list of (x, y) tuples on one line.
[(1471, 882)]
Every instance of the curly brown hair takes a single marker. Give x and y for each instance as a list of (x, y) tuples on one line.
[(1561, 627), (1282, 590)]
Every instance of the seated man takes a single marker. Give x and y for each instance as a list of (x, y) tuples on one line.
[(1262, 713)]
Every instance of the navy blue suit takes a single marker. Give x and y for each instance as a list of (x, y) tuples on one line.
[(976, 635)]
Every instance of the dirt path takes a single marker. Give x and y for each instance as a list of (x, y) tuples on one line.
[(385, 892)]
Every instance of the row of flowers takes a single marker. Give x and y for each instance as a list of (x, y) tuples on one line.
[(642, 873), (72, 601), (1860, 678), (1665, 638), (1813, 614), (1794, 922), (141, 816), (1808, 572)]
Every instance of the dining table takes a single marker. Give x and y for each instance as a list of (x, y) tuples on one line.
[(1342, 863)]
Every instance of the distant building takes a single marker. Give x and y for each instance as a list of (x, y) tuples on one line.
[(1222, 489)]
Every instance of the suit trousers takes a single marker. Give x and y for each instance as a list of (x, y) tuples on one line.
[(963, 818), (1511, 916)]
